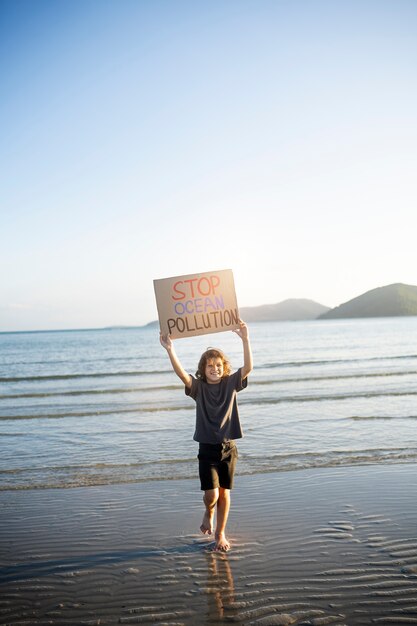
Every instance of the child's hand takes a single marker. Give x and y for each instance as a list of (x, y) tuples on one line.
[(242, 331), (166, 341)]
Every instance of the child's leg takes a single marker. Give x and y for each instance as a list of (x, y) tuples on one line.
[(223, 508), (216, 476), (210, 499)]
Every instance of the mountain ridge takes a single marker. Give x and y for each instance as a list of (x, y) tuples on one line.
[(397, 299), (292, 309)]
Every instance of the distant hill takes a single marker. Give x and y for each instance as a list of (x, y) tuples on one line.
[(294, 309), (390, 301), (153, 323)]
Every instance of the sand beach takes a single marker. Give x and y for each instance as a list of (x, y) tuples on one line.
[(312, 547)]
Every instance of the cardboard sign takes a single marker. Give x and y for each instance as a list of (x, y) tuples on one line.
[(197, 304)]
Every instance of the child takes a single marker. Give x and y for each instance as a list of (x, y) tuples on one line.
[(214, 390)]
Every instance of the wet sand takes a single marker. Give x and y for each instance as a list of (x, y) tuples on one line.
[(314, 547)]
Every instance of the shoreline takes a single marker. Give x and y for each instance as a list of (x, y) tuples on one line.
[(314, 546), (97, 483)]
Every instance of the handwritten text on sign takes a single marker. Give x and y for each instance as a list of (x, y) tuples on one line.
[(197, 304)]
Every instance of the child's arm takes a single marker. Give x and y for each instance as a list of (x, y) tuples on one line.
[(243, 333), (167, 343)]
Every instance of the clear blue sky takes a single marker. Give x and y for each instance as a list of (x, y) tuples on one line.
[(146, 139)]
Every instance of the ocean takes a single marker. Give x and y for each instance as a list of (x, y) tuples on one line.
[(104, 407)]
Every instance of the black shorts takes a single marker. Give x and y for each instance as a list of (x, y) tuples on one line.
[(216, 465)]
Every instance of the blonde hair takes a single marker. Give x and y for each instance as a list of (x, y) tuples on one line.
[(212, 353)]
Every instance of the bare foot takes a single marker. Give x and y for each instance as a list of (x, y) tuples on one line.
[(222, 545), (207, 523)]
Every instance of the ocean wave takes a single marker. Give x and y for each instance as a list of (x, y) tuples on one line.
[(55, 377), (86, 392), (41, 378), (360, 418), (251, 401), (356, 375), (360, 376), (327, 397), (69, 476), (117, 411), (339, 458), (362, 360)]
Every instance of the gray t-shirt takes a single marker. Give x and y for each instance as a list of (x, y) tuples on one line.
[(217, 416)]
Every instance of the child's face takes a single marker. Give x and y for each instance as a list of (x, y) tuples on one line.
[(214, 371)]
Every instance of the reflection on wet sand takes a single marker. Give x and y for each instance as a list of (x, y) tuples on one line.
[(220, 584)]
